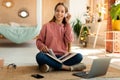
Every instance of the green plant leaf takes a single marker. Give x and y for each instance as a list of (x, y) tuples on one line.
[(77, 26), (115, 12)]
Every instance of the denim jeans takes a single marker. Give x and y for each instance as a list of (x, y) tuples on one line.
[(42, 58)]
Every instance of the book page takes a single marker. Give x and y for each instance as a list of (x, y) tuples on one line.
[(61, 59), (67, 56), (56, 59), (52, 53)]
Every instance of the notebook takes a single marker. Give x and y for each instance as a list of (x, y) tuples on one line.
[(99, 67)]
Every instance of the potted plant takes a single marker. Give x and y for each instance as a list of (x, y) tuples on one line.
[(115, 15), (77, 27), (83, 35)]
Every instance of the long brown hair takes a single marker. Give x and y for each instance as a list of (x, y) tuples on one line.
[(66, 10)]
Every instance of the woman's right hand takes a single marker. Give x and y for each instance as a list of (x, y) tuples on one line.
[(45, 49), (67, 18)]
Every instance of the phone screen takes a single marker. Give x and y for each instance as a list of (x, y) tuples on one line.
[(38, 76)]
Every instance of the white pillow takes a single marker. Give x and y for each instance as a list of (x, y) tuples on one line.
[(4, 24), (14, 24)]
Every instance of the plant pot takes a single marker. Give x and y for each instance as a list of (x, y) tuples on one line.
[(116, 25)]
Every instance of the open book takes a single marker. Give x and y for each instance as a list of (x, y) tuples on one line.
[(61, 59)]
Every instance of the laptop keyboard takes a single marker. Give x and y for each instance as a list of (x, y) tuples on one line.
[(81, 74)]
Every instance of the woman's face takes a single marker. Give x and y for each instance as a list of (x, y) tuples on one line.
[(60, 13)]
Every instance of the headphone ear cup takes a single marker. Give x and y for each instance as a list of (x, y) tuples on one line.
[(12, 66)]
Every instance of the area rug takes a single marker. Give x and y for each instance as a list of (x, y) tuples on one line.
[(98, 79), (101, 79), (25, 72)]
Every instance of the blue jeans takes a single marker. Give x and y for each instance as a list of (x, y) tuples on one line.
[(42, 58)]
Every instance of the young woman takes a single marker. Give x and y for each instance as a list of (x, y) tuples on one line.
[(57, 35)]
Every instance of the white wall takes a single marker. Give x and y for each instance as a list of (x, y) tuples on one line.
[(39, 13), (77, 9)]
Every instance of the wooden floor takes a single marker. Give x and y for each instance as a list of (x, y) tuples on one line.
[(24, 54), (25, 72)]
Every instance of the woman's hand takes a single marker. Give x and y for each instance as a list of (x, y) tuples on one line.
[(67, 18), (45, 49), (69, 47)]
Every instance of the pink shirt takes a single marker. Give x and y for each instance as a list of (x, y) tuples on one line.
[(55, 37)]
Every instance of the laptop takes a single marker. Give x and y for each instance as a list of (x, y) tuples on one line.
[(99, 67)]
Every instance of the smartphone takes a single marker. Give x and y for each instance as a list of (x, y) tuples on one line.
[(66, 15), (38, 76)]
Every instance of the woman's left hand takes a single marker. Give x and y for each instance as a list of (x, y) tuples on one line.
[(67, 18)]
